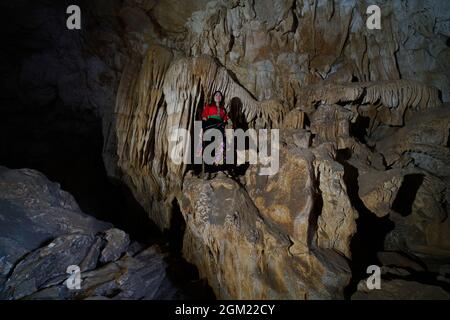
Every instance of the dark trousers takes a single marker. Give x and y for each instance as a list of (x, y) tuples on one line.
[(219, 125)]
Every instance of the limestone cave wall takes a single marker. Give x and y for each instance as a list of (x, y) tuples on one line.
[(364, 126)]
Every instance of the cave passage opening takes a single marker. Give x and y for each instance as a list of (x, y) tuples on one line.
[(407, 194), (179, 268), (66, 146), (371, 230)]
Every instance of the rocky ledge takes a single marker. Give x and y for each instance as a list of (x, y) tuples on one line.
[(298, 234)]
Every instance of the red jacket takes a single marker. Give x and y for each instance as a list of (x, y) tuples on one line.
[(210, 110)]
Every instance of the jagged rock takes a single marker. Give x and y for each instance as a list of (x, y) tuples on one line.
[(48, 265), (361, 110), (142, 146), (330, 95), (420, 217), (142, 276), (268, 228), (417, 191), (378, 190), (337, 221), (33, 211), (306, 199), (400, 272), (172, 16), (396, 259), (43, 232), (400, 289), (300, 138), (331, 123), (382, 104), (117, 242), (318, 42), (424, 140), (295, 119)]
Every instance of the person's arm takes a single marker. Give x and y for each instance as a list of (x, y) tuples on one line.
[(227, 119)]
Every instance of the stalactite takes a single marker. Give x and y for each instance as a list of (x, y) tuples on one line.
[(295, 119), (160, 94), (402, 97), (396, 98)]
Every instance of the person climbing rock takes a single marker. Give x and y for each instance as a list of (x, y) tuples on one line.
[(214, 116)]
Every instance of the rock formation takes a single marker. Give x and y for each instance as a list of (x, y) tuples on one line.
[(364, 126), (43, 232)]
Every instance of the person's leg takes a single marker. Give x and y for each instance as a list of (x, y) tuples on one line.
[(222, 165), (208, 165), (204, 145)]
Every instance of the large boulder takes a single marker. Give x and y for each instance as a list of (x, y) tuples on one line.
[(43, 233), (273, 237), (33, 211), (399, 289)]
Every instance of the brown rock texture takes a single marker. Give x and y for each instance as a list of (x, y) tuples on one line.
[(364, 138), (43, 231), (227, 238), (364, 126)]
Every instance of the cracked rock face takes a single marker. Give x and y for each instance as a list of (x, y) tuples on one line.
[(243, 257), (43, 232), (285, 237), (33, 212), (364, 129)]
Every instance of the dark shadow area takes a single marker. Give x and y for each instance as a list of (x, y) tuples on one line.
[(407, 194), (39, 130), (371, 230), (317, 211), (439, 94), (306, 121), (236, 114), (179, 269), (358, 129), (239, 122), (177, 228), (448, 139), (66, 146)]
